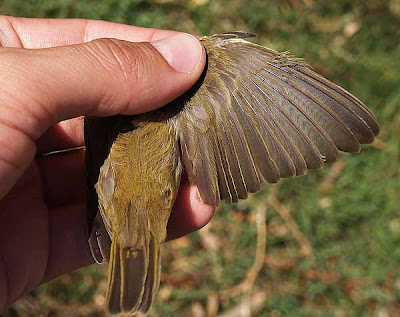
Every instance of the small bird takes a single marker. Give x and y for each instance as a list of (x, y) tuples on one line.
[(254, 116)]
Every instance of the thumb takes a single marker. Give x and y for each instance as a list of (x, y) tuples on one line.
[(102, 77), (39, 88)]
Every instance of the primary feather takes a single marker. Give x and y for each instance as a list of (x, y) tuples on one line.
[(269, 116)]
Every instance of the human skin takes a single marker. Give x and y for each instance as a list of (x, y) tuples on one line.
[(54, 72)]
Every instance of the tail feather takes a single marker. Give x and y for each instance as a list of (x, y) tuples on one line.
[(134, 271), (114, 281), (133, 277), (152, 278)]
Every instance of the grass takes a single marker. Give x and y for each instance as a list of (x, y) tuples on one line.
[(333, 236)]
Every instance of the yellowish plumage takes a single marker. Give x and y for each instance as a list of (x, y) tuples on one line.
[(136, 188)]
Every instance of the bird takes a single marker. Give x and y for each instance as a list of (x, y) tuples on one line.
[(255, 116)]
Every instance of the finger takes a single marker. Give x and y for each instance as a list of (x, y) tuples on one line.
[(67, 186), (63, 177), (66, 134), (189, 213), (68, 246), (105, 77), (44, 33), (23, 238)]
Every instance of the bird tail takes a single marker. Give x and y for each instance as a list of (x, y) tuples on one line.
[(134, 276)]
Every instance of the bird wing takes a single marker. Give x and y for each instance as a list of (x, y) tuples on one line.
[(257, 115), (100, 134)]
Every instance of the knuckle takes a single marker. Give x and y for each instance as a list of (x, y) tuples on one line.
[(131, 60), (28, 107), (8, 34)]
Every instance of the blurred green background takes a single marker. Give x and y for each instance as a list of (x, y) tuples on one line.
[(332, 237)]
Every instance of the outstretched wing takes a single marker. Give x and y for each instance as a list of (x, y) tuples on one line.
[(259, 115)]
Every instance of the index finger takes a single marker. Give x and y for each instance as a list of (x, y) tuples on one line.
[(43, 33)]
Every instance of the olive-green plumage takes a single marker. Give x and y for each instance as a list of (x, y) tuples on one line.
[(255, 116)]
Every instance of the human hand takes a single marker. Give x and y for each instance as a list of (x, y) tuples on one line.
[(53, 74)]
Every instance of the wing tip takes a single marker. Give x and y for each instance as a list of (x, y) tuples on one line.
[(240, 34), (233, 35)]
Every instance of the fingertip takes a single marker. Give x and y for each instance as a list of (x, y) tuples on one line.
[(189, 214), (182, 51), (202, 213)]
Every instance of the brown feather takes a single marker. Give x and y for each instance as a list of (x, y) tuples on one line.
[(271, 115)]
